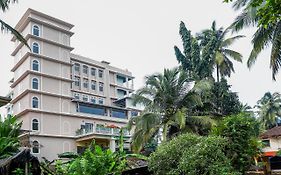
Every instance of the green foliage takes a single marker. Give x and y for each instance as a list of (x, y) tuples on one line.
[(9, 132), (190, 154), (96, 161), (269, 11), (208, 50), (166, 98), (269, 109), (4, 5), (220, 101), (267, 34), (18, 171), (241, 132)]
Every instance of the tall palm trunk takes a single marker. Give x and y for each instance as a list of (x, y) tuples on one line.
[(218, 73), (165, 131)]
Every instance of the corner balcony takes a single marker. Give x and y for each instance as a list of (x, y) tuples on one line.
[(101, 131)]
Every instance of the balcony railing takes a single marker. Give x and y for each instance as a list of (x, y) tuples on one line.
[(102, 130)]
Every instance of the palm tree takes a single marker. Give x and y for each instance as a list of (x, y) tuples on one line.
[(222, 54), (166, 98), (4, 6), (9, 132), (269, 109), (263, 37)]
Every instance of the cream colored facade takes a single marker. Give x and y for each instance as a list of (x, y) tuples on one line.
[(64, 99)]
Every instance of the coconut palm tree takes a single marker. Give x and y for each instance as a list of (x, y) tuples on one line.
[(264, 36), (166, 98), (4, 6), (223, 56), (269, 109)]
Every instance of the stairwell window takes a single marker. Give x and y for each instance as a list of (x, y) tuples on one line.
[(36, 30), (35, 147), (35, 102), (35, 83), (35, 47), (35, 65), (35, 125)]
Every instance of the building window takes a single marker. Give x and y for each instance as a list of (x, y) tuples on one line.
[(100, 73), (93, 100), (77, 67), (100, 101), (35, 147), (35, 102), (85, 83), (266, 143), (93, 85), (90, 109), (93, 71), (77, 81), (118, 113), (35, 65), (36, 30), (85, 69), (35, 48), (101, 87), (35, 83), (85, 98), (77, 96), (35, 125)]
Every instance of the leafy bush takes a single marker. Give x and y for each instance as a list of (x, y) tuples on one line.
[(241, 132), (191, 155), (9, 132)]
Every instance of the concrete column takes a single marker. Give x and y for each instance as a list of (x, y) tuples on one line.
[(112, 145)]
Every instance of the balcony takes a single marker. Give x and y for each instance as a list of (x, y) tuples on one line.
[(101, 130)]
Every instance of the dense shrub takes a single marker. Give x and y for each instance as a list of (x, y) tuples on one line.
[(190, 154), (241, 132)]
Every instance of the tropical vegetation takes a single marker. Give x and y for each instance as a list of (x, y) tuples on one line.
[(9, 132), (268, 34), (241, 132), (191, 154), (269, 110)]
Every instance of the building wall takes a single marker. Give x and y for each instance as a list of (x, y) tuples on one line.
[(275, 145)]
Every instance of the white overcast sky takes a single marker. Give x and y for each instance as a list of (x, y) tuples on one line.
[(140, 35)]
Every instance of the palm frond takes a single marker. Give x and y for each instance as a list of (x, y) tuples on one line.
[(233, 54), (275, 60), (7, 27), (261, 39), (229, 41)]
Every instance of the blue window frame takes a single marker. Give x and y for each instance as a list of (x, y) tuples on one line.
[(35, 65), (35, 83), (35, 102), (35, 48), (36, 30)]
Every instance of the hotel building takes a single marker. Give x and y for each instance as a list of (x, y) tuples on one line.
[(65, 100)]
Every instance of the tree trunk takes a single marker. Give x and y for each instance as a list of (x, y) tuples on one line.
[(218, 73), (164, 134)]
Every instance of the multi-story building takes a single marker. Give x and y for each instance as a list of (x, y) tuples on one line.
[(66, 100)]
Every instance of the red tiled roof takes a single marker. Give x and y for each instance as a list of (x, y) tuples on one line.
[(273, 132)]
